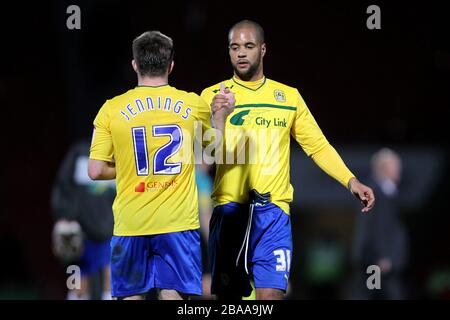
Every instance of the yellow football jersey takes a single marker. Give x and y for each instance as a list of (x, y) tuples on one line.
[(148, 132), (257, 140)]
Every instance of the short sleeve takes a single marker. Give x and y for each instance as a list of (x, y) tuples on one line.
[(102, 145)]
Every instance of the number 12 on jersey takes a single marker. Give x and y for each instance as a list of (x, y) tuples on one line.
[(162, 155)]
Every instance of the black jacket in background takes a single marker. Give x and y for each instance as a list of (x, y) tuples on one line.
[(380, 234), (76, 197)]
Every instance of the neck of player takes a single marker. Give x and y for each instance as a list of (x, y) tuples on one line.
[(153, 81)]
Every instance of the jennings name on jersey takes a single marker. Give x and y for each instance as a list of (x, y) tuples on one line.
[(148, 132), (267, 113)]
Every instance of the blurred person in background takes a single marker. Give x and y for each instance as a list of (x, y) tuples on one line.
[(380, 238), (83, 223)]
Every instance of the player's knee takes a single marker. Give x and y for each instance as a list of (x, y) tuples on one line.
[(136, 297), (166, 294), (269, 294)]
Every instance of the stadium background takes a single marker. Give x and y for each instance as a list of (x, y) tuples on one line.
[(366, 88)]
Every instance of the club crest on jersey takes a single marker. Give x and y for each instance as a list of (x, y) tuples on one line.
[(279, 95)]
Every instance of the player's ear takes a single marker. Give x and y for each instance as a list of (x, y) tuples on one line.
[(263, 50), (171, 67), (133, 63)]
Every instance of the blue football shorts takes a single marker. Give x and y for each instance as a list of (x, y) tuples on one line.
[(163, 261), (265, 257)]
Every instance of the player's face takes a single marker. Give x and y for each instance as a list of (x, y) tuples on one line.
[(246, 54)]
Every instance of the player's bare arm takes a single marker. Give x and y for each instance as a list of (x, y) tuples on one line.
[(101, 170), (363, 193)]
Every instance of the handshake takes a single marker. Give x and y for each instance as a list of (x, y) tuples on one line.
[(222, 106)]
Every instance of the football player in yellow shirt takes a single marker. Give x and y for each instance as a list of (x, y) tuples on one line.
[(250, 229), (144, 139)]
